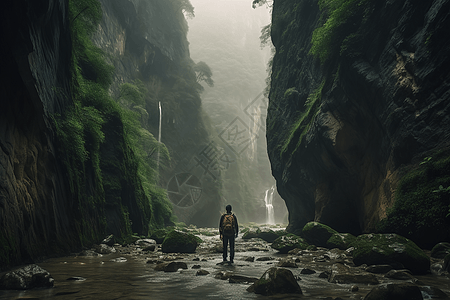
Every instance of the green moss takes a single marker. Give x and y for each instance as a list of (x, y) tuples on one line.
[(289, 242), (420, 209), (372, 249), (180, 242), (340, 240), (335, 13), (304, 121)]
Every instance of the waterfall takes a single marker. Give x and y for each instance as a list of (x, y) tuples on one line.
[(159, 138), (270, 217)]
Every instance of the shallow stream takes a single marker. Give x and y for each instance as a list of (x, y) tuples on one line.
[(137, 279)]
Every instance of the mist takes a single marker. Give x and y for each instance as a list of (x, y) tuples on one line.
[(226, 36)]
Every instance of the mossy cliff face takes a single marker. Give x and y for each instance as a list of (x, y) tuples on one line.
[(146, 40), (35, 76), (346, 123)]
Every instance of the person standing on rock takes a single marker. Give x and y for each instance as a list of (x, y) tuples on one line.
[(229, 229)]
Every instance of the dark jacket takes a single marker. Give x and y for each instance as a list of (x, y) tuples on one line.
[(235, 225)]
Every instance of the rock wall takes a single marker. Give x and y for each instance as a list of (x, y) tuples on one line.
[(344, 130), (147, 40), (35, 79)]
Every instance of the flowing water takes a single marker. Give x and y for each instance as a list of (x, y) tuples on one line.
[(268, 200), (137, 279)]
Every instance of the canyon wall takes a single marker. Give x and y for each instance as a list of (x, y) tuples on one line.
[(357, 106)]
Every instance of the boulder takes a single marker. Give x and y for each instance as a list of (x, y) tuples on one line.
[(288, 242), (249, 258), (340, 240), (287, 263), (317, 234), (179, 242), (403, 291), (276, 281), (171, 266), (440, 250), (399, 274), (28, 277), (307, 271), (104, 249), (343, 274), (201, 273), (376, 249)]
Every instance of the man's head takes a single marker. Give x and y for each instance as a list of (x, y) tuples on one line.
[(228, 208)]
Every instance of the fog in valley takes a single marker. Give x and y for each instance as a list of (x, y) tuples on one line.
[(226, 36)]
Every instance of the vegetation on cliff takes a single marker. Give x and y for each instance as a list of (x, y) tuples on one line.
[(421, 208), (103, 145)]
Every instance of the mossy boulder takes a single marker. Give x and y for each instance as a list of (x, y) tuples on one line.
[(276, 281), (179, 242), (317, 234), (340, 240), (267, 235), (379, 249), (440, 250), (286, 243)]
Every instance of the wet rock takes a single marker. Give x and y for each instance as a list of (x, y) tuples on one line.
[(429, 292), (343, 274), (249, 259), (119, 259), (89, 253), (276, 281), (403, 291), (317, 234), (307, 271), (379, 269), (354, 288), (28, 277), (325, 274), (264, 258), (399, 274), (149, 248), (218, 248), (196, 267), (340, 240), (109, 240), (104, 249), (222, 275), (295, 251), (201, 273), (241, 279), (440, 250), (287, 263), (179, 242), (376, 249), (437, 269), (288, 242), (196, 259), (170, 266), (143, 243)]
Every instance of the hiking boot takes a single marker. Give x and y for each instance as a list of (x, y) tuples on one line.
[(224, 259), (231, 261)]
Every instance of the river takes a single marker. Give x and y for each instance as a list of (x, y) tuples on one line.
[(134, 278)]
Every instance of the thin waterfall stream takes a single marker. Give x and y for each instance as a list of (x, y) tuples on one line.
[(268, 200)]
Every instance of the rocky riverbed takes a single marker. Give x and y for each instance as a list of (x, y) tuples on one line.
[(142, 271)]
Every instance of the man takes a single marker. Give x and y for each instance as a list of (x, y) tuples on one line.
[(228, 228)]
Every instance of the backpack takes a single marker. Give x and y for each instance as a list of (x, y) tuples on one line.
[(228, 225)]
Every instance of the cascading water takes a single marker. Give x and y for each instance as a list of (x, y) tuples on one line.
[(270, 216), (159, 137), (253, 130)]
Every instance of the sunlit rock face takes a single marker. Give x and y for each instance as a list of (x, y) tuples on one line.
[(381, 102), (35, 60)]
